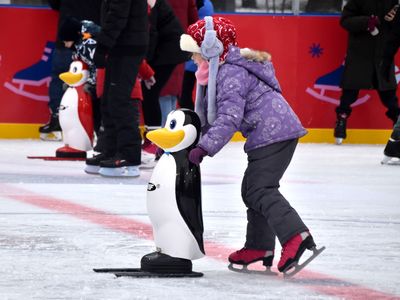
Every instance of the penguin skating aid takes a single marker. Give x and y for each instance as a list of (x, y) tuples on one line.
[(173, 203), (75, 115)]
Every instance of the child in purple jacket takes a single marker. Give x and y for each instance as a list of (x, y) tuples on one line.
[(237, 91)]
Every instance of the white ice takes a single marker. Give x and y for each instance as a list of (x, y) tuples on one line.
[(350, 202)]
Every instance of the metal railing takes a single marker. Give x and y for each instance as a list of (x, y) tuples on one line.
[(247, 6), (279, 6)]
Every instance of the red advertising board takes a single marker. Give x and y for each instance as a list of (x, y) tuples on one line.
[(307, 51), (27, 39)]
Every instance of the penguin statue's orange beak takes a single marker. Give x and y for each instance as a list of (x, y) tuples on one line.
[(70, 78), (166, 139)]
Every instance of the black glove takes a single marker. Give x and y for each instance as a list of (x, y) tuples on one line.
[(385, 68), (100, 57)]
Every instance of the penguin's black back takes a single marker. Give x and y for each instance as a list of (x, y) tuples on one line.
[(188, 194)]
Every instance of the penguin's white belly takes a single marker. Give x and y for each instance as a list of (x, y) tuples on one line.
[(171, 234), (74, 135)]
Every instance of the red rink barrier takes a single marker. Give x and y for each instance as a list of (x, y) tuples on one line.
[(307, 52)]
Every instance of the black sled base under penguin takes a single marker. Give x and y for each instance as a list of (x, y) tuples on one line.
[(156, 265)]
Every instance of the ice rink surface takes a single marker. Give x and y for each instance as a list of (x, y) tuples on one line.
[(57, 223)]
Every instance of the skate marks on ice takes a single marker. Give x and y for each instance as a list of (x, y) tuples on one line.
[(217, 253)]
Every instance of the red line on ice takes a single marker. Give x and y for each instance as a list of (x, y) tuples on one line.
[(321, 283)]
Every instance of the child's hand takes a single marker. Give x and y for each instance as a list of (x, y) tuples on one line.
[(149, 82), (196, 155), (373, 21)]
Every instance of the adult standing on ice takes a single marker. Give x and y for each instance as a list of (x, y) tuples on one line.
[(237, 91), (121, 46)]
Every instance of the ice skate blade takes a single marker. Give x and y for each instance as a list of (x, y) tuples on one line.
[(92, 170), (139, 273), (338, 141), (390, 161), (55, 136), (120, 172), (295, 268), (245, 270)]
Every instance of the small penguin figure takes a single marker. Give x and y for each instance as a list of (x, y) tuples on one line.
[(75, 113), (174, 196), (173, 203)]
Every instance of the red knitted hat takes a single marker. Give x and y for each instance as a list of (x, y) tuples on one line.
[(226, 33)]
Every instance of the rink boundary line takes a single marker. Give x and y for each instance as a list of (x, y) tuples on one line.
[(318, 282), (315, 135)]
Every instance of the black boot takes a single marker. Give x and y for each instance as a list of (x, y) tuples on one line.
[(93, 163), (392, 149), (52, 130), (162, 263), (52, 125), (340, 128)]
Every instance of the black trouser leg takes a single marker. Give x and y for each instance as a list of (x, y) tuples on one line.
[(269, 212), (186, 100), (120, 116), (347, 98), (390, 101), (151, 104)]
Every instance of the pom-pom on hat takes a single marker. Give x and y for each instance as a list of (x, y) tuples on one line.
[(70, 29)]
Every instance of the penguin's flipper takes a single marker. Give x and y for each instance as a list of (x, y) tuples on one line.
[(188, 190)]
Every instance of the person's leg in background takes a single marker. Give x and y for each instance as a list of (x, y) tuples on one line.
[(392, 148), (188, 83), (390, 101), (343, 112), (151, 104), (167, 104), (121, 118), (62, 58)]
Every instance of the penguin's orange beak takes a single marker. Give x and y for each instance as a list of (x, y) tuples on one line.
[(166, 139), (70, 78)]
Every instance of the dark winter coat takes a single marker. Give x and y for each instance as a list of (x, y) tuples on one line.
[(393, 42), (79, 9), (364, 51), (124, 27), (165, 34), (249, 100)]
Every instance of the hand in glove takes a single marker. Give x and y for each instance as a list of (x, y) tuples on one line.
[(373, 22), (100, 57), (149, 82), (196, 155)]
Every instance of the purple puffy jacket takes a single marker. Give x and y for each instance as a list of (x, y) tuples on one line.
[(249, 100)]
